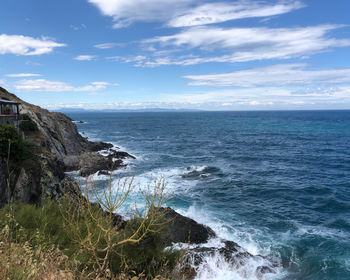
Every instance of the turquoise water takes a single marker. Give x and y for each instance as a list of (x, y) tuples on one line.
[(278, 183)]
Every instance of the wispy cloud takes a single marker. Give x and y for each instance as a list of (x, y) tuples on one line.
[(279, 75), (25, 45), (220, 12), (138, 59), (269, 97), (236, 99), (58, 86), (85, 57), (109, 45), (23, 75), (244, 44), (182, 13), (78, 27)]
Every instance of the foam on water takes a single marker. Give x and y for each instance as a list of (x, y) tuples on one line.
[(215, 267)]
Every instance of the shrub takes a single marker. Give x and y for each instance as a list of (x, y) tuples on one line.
[(12, 144), (25, 117), (96, 246), (28, 126)]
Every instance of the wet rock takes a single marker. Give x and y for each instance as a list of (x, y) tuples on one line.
[(98, 146), (182, 229), (231, 253), (261, 270), (191, 174), (120, 155), (104, 172)]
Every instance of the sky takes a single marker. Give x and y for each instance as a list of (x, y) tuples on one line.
[(191, 54)]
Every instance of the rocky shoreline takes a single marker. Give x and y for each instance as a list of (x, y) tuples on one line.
[(58, 148)]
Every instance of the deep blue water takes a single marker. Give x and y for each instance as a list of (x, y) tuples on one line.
[(278, 183)]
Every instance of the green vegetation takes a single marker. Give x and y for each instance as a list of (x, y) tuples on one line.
[(87, 240), (11, 144), (28, 126)]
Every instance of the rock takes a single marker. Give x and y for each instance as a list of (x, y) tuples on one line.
[(91, 163), (81, 122), (231, 253), (104, 172), (191, 174), (262, 270), (98, 146), (184, 230), (71, 163), (120, 155)]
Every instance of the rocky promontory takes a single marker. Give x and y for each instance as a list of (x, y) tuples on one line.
[(56, 147)]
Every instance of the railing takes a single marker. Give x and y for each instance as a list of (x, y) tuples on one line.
[(9, 119)]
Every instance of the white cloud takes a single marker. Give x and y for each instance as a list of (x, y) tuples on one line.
[(23, 75), (245, 44), (25, 45), (181, 13), (138, 59), (125, 12), (220, 12), (275, 75), (58, 86), (85, 57), (109, 45)]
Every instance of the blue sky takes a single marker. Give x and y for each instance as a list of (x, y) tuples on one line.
[(216, 55)]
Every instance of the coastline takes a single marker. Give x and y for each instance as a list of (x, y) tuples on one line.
[(207, 253)]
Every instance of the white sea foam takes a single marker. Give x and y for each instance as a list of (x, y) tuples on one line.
[(321, 231), (213, 266), (216, 268), (224, 231)]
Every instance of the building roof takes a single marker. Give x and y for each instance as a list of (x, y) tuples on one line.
[(3, 101)]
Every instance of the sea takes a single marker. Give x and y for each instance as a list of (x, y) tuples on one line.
[(275, 182)]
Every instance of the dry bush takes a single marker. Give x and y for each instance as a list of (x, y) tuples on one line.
[(94, 228)]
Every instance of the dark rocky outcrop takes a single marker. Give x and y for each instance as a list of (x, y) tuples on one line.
[(91, 163), (184, 230)]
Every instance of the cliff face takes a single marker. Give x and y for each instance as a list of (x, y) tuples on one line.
[(56, 148), (59, 135)]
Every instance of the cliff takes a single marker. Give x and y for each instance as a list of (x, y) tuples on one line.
[(56, 146)]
